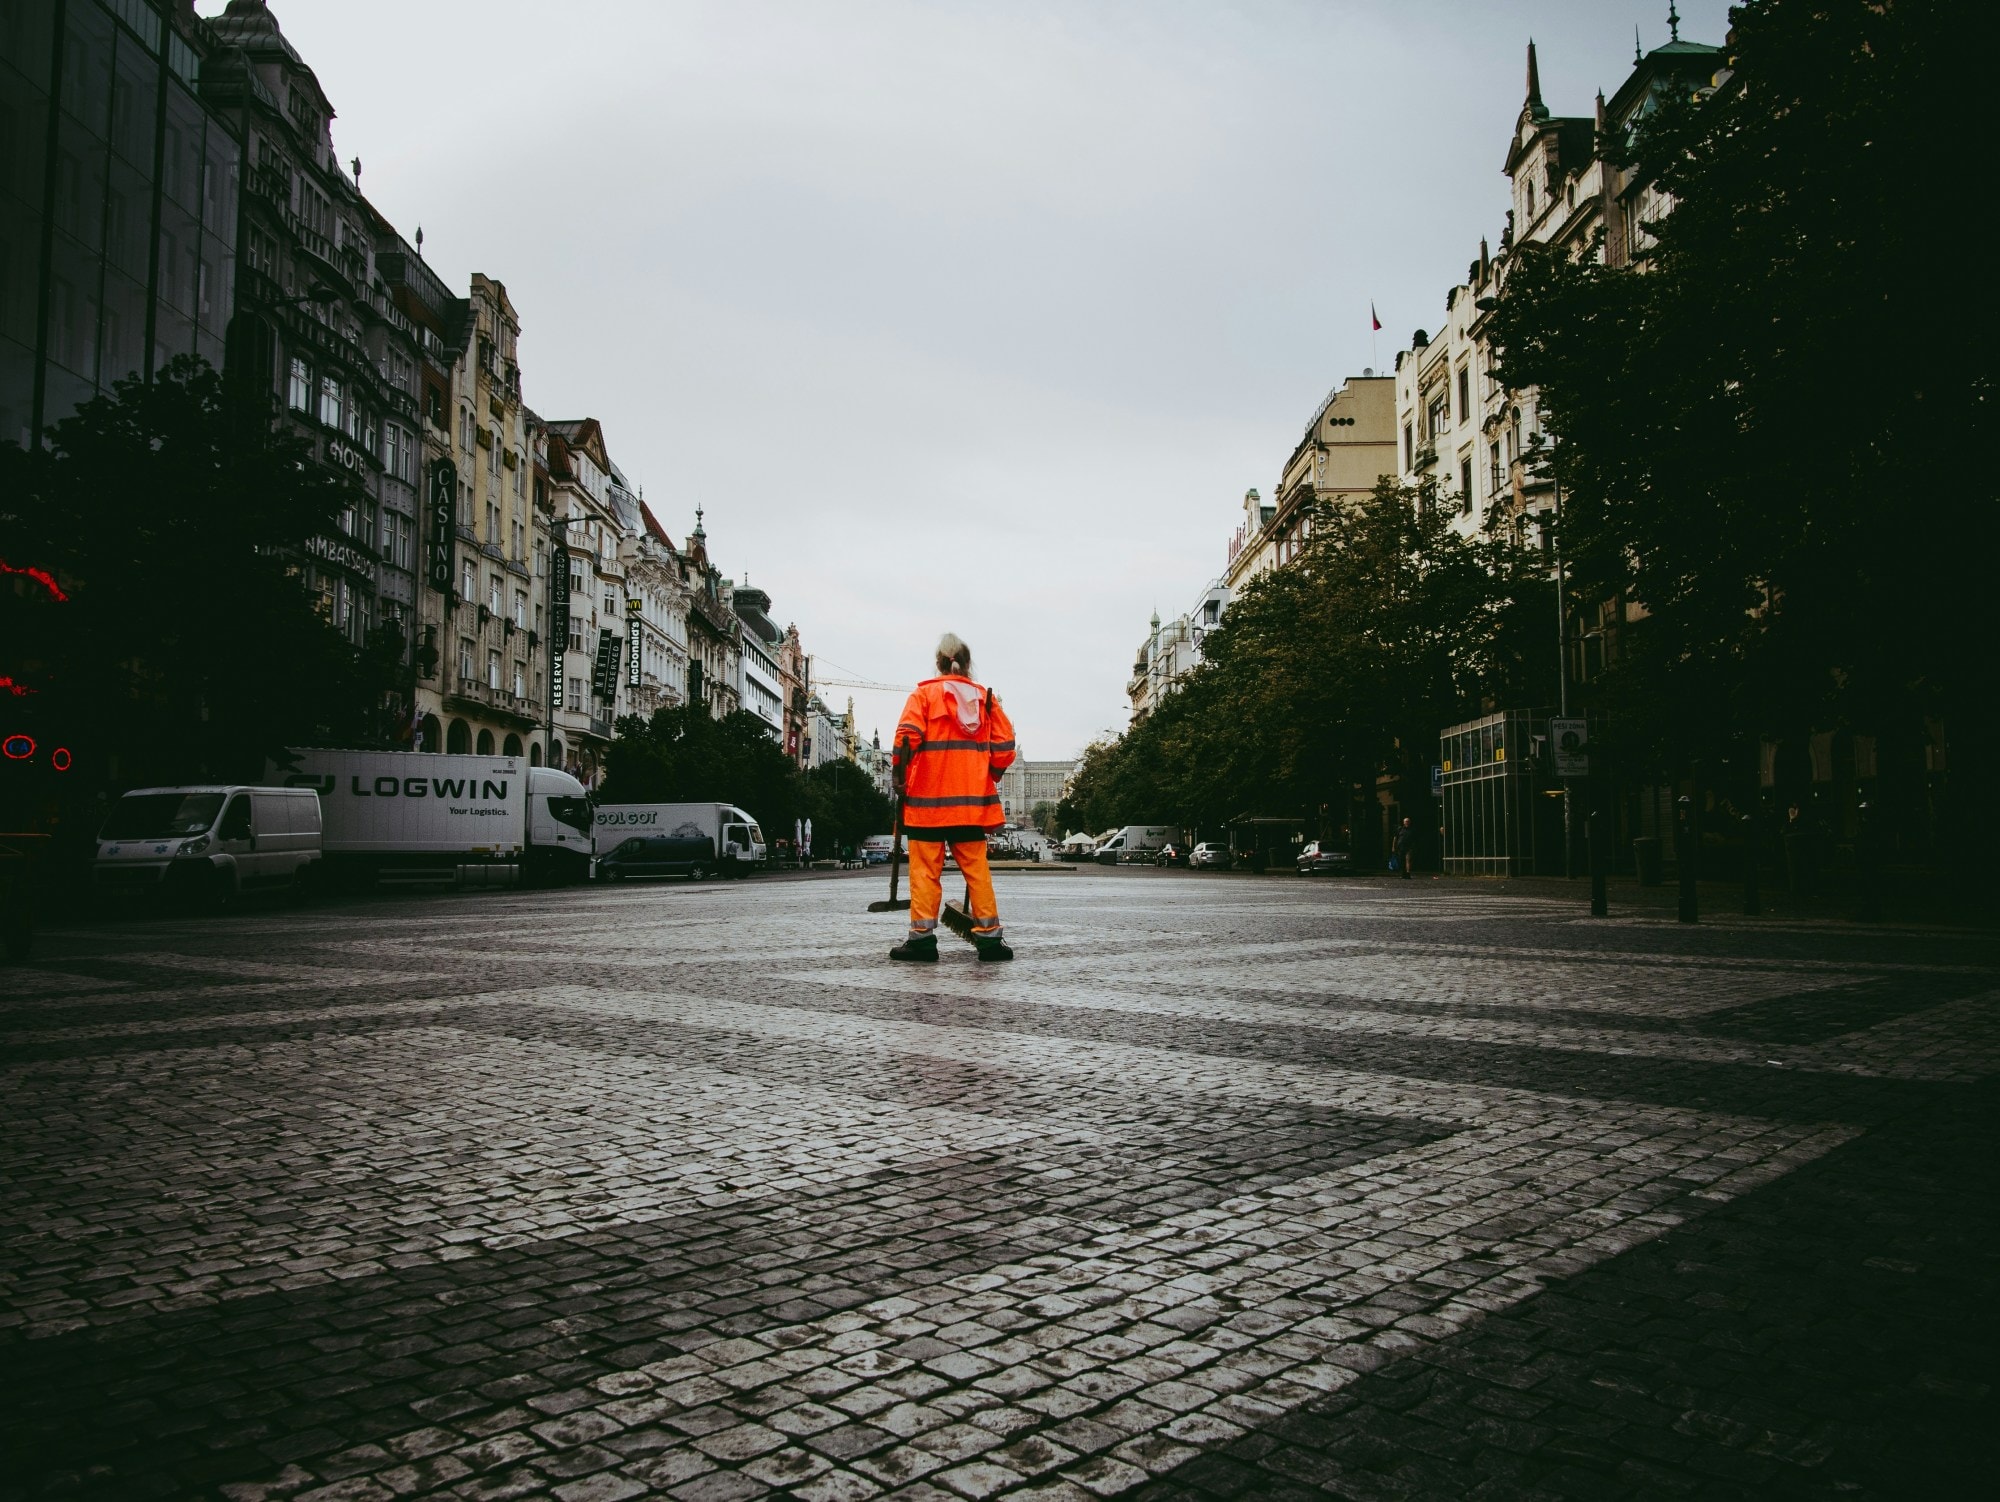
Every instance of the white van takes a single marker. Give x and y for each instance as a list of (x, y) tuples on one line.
[(210, 842)]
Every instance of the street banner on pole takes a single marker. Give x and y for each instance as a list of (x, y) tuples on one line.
[(1569, 743)]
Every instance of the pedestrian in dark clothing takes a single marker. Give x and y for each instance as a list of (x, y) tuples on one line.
[(1406, 848)]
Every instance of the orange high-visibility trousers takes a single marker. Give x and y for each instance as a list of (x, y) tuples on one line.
[(927, 886)]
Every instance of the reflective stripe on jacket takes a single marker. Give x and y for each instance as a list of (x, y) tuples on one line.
[(952, 741)]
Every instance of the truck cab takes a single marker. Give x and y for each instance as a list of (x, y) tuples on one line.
[(740, 842)]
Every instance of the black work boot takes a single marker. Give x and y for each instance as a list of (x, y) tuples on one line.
[(920, 949), (994, 948)]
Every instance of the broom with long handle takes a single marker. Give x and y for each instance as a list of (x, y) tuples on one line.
[(894, 904)]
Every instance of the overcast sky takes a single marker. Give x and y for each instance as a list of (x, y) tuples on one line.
[(952, 315)]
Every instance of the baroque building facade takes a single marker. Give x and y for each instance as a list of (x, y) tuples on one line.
[(317, 327)]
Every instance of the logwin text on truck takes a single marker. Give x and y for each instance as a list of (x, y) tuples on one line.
[(412, 816), (736, 844)]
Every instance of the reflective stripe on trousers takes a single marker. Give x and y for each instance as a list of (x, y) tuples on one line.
[(927, 886)]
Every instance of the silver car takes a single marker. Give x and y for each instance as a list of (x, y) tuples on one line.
[(1209, 854)]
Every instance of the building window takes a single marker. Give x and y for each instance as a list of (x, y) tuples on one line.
[(300, 391), (520, 540), (1465, 393), (329, 401), (520, 610), (493, 595), (574, 703), (493, 671), (1465, 485), (1409, 447), (465, 659), (1439, 414), (575, 634), (401, 538), (468, 582), (520, 682), (493, 523), (1493, 485)]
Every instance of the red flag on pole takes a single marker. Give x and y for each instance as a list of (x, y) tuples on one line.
[(1373, 319)]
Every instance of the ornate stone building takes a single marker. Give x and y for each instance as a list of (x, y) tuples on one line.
[(587, 536), (316, 324)]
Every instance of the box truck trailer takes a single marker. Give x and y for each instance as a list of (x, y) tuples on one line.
[(413, 816), (734, 838)]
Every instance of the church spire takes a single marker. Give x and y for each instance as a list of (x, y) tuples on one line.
[(1534, 75), (1673, 22)]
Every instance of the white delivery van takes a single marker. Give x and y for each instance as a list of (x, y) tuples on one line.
[(738, 842), (413, 816), (210, 842), (877, 849), (1135, 842)]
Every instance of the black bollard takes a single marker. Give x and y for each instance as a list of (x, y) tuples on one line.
[(1753, 903), (1867, 874), (1595, 834), (1686, 843)]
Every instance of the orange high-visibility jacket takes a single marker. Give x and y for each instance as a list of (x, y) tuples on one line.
[(953, 740)]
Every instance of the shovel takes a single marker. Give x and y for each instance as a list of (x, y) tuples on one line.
[(894, 904)]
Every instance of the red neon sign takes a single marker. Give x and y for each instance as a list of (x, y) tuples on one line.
[(60, 759), (18, 747), (40, 575)]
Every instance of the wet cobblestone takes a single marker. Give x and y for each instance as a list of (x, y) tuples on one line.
[(1224, 1188)]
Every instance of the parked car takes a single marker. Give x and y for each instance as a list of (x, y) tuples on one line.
[(1171, 855), (1209, 855), (1322, 857), (691, 856)]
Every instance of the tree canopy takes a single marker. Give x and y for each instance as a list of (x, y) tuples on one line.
[(685, 755), (1769, 437), (157, 614), (1339, 667)]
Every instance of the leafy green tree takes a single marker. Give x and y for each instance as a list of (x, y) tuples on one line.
[(845, 807), (1043, 817), (1326, 673), (172, 638), (1774, 436), (685, 755)]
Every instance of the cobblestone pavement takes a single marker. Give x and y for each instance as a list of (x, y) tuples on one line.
[(1225, 1188)]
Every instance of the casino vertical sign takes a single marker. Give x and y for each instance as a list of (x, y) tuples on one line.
[(443, 508)]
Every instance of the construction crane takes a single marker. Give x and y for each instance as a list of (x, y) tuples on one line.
[(887, 688)]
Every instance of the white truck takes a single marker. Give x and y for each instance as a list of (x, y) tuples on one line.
[(412, 816), (739, 843), (209, 843), (1135, 842)]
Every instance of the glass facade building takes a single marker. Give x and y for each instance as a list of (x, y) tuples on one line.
[(118, 202)]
